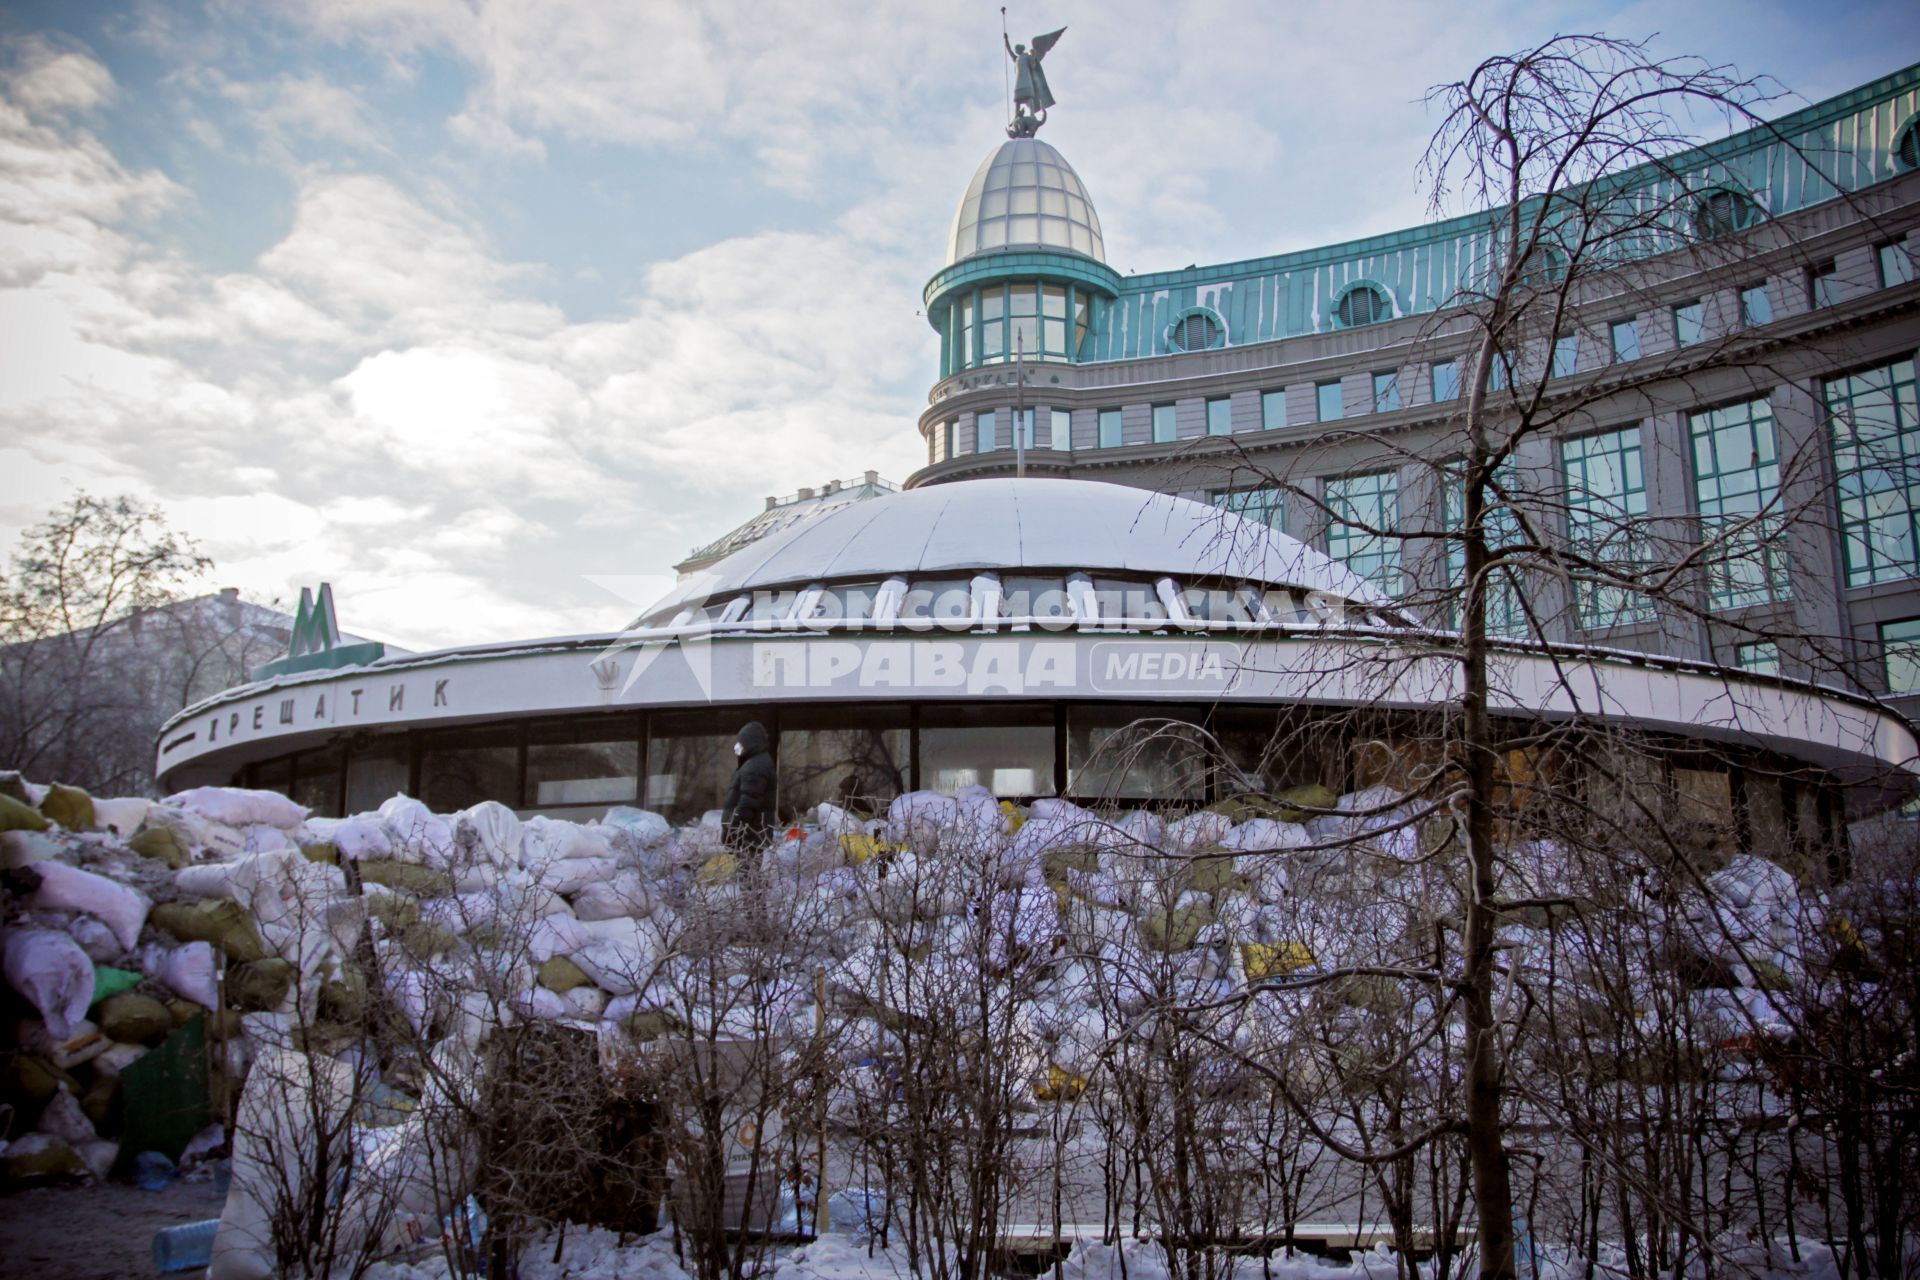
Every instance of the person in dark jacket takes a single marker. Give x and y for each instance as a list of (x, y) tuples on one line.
[(748, 813)]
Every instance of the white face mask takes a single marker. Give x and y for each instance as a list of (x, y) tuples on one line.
[(739, 750)]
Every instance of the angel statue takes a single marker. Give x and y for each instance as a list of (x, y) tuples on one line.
[(1031, 97)]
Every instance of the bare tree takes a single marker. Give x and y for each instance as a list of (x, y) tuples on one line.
[(78, 585)]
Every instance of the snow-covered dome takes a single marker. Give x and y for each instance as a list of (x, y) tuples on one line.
[(1024, 196), (1062, 526)]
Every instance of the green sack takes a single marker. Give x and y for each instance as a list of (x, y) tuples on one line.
[(260, 985), (221, 921), (134, 1019), (407, 876), (108, 981), (16, 816), (162, 844), (71, 807), (561, 975)]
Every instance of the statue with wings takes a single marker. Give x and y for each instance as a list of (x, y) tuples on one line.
[(1031, 96)]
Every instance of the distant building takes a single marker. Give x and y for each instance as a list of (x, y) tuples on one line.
[(785, 513)]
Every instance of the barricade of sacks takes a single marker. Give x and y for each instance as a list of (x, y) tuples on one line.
[(237, 917), (128, 919)]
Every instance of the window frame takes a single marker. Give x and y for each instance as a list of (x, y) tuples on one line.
[(1386, 390), (1320, 393), (1220, 415), (1631, 326), (1169, 415)]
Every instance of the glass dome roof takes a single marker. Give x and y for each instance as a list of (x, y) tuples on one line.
[(1010, 524), (1025, 195)]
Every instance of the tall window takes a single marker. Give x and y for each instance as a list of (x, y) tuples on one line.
[(1365, 511), (1267, 504), (1900, 652), (1823, 281), (1062, 429), (1606, 503), (1736, 480), (1689, 323), (1566, 355), (1446, 380), (1162, 423), (1024, 316), (953, 437), (1762, 657), (1327, 394), (1506, 616), (1625, 336), (1110, 428), (1027, 439), (1755, 306), (1386, 391), (1053, 319), (1220, 417), (1273, 410), (1023, 328), (993, 326), (1896, 264), (983, 432), (1876, 459)]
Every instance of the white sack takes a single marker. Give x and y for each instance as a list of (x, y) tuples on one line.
[(237, 807), (417, 834), (96, 939), (461, 913), (545, 840), (122, 816), (65, 888), (488, 833), (64, 1119), (190, 972), (541, 1003), (625, 894), (567, 876), (1262, 835), (558, 934), (360, 840), (206, 880), (1198, 830), (83, 1043), (921, 817), (644, 827)]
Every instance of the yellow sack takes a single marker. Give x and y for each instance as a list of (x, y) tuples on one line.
[(1015, 818), (1265, 960), (860, 848), (1060, 1085), (718, 869)]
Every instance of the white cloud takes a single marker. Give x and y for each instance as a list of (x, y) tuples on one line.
[(48, 79)]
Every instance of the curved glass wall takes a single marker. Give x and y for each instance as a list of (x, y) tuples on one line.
[(1039, 319), (860, 755)]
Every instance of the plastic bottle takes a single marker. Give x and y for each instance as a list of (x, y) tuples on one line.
[(184, 1248), (152, 1171)]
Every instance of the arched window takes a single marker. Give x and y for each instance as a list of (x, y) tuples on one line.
[(1721, 213), (1906, 147), (1543, 264), (1197, 330), (1363, 304)]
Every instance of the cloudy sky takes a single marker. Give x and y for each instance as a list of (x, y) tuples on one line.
[(465, 304)]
